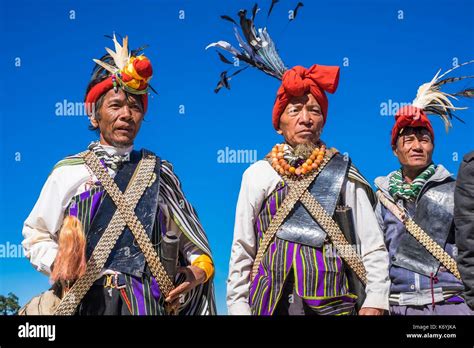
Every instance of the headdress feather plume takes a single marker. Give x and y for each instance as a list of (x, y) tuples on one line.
[(256, 48), (433, 100)]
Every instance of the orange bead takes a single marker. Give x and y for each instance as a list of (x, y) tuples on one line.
[(287, 167), (309, 161), (280, 155), (292, 170), (304, 171), (314, 165), (274, 160), (318, 162), (298, 171), (305, 165), (282, 171), (312, 157), (320, 157), (277, 167)]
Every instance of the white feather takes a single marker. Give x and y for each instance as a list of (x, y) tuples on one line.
[(430, 95), (106, 66)]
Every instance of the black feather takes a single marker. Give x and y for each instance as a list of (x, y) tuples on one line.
[(254, 11), (227, 18), (223, 58), (223, 82), (248, 29), (295, 11), (153, 90), (458, 118), (271, 7), (238, 71), (452, 79), (467, 93), (138, 50)]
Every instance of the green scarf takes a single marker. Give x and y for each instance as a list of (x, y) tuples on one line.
[(398, 188)]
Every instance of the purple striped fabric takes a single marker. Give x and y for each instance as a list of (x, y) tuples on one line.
[(319, 276), (137, 287)]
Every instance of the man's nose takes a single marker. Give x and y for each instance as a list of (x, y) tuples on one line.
[(416, 145), (304, 118), (126, 112)]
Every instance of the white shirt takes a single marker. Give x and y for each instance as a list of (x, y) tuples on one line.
[(258, 182), (40, 230)]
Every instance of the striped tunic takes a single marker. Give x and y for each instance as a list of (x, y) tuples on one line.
[(142, 295), (319, 274)]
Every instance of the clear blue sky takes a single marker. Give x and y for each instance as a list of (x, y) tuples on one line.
[(388, 59)]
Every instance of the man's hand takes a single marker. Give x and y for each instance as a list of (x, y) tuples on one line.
[(371, 311), (194, 277)]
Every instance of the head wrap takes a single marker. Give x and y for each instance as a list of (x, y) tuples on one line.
[(410, 116), (257, 49), (298, 81), (129, 72), (430, 99)]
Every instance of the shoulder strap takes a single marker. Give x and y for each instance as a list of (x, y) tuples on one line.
[(345, 249), (138, 184), (128, 214), (286, 207), (421, 236), (299, 192)]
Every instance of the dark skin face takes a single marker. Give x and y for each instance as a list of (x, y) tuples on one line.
[(302, 121), (120, 118), (414, 149)]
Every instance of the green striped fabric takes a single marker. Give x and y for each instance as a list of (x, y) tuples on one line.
[(398, 188)]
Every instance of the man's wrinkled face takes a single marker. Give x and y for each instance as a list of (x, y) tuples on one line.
[(120, 118), (414, 148), (302, 121)]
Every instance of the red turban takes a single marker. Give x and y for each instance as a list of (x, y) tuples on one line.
[(102, 88), (298, 81), (410, 116), (134, 75)]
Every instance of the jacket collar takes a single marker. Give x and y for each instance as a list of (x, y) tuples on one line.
[(441, 174)]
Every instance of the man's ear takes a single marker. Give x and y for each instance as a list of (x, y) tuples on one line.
[(94, 122), (279, 131), (394, 150)]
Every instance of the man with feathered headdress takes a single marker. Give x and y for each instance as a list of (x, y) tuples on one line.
[(114, 246), (415, 210), (306, 240)]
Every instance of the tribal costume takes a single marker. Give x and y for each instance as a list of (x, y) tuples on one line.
[(301, 272), (423, 281), (72, 192)]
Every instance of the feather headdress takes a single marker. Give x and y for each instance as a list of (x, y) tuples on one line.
[(131, 71), (256, 48), (432, 100)]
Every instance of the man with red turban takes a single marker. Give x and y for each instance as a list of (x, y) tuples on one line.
[(78, 235), (288, 256), (415, 212)]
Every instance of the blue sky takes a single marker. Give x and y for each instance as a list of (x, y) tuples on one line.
[(388, 59)]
